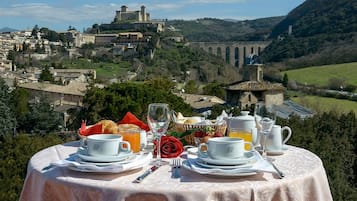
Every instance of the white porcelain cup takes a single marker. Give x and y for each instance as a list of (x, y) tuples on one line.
[(223, 148), (105, 145), (275, 139)]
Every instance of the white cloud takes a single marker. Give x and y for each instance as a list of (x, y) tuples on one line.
[(104, 12), (47, 13)]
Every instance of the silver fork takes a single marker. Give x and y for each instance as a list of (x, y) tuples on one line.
[(176, 164)]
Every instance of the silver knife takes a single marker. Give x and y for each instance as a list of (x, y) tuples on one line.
[(145, 174), (279, 172)]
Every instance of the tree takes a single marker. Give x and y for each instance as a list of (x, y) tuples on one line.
[(7, 117), (285, 80), (191, 87), (46, 75), (214, 89), (35, 30), (7, 120), (161, 83), (42, 118), (114, 101), (20, 99)]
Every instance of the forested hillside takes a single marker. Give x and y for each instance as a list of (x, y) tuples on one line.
[(323, 32), (183, 63), (216, 30)]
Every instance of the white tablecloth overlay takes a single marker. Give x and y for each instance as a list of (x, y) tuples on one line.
[(305, 180)]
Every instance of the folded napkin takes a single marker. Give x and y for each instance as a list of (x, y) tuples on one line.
[(221, 119), (260, 165), (94, 129), (130, 118), (71, 162)]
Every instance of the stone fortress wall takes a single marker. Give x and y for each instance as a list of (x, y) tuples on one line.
[(125, 15), (234, 53)]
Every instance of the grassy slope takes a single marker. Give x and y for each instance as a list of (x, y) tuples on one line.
[(320, 75), (104, 70), (321, 104)]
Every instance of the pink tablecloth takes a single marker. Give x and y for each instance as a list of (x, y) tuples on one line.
[(305, 180)]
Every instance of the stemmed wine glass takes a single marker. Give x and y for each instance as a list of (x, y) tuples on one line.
[(265, 121), (158, 118)]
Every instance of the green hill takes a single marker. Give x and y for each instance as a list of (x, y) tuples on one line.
[(216, 30), (315, 17), (322, 76), (323, 32)]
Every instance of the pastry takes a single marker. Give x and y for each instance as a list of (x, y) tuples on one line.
[(109, 127)]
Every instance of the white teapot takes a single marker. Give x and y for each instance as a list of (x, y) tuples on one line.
[(244, 122)]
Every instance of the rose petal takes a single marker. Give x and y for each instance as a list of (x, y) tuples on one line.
[(170, 147)]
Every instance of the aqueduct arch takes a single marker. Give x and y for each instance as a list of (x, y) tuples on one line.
[(234, 53)]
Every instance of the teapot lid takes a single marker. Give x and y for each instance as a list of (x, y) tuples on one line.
[(245, 116)]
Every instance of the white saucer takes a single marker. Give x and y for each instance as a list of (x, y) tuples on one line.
[(130, 159), (218, 172), (247, 157), (274, 152), (224, 167), (83, 154)]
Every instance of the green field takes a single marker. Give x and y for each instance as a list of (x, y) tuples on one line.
[(104, 70), (320, 75), (323, 104)]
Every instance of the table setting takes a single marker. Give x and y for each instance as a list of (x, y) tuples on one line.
[(109, 147), (177, 163)]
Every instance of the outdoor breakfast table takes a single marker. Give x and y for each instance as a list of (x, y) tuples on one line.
[(305, 180)]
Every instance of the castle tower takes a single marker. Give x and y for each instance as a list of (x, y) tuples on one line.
[(124, 8), (143, 14)]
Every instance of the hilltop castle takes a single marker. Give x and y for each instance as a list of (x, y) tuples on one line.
[(125, 15), (132, 20)]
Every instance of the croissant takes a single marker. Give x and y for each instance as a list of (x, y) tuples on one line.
[(109, 127)]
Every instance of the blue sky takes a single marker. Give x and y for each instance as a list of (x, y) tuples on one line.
[(58, 15)]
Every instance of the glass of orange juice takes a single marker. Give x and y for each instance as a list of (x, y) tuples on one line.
[(243, 134), (132, 135)]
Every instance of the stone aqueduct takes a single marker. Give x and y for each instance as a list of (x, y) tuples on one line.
[(234, 53)]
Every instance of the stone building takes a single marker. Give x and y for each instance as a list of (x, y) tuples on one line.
[(253, 89), (125, 15)]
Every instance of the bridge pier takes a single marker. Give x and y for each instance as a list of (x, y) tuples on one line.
[(234, 53)]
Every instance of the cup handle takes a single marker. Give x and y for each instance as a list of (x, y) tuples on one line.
[(251, 145), (200, 152), (83, 142), (289, 133), (124, 149)]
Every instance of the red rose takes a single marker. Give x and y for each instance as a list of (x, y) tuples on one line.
[(170, 147)]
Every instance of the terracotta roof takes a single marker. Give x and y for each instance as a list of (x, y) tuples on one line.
[(74, 88), (256, 86), (200, 101)]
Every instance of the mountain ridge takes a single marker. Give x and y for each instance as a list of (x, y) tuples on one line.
[(7, 29)]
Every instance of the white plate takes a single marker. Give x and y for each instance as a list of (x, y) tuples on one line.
[(224, 167), (274, 152), (83, 154), (247, 157), (128, 160), (71, 163), (218, 172), (107, 170)]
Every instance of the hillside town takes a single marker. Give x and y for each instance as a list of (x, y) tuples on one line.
[(252, 89)]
